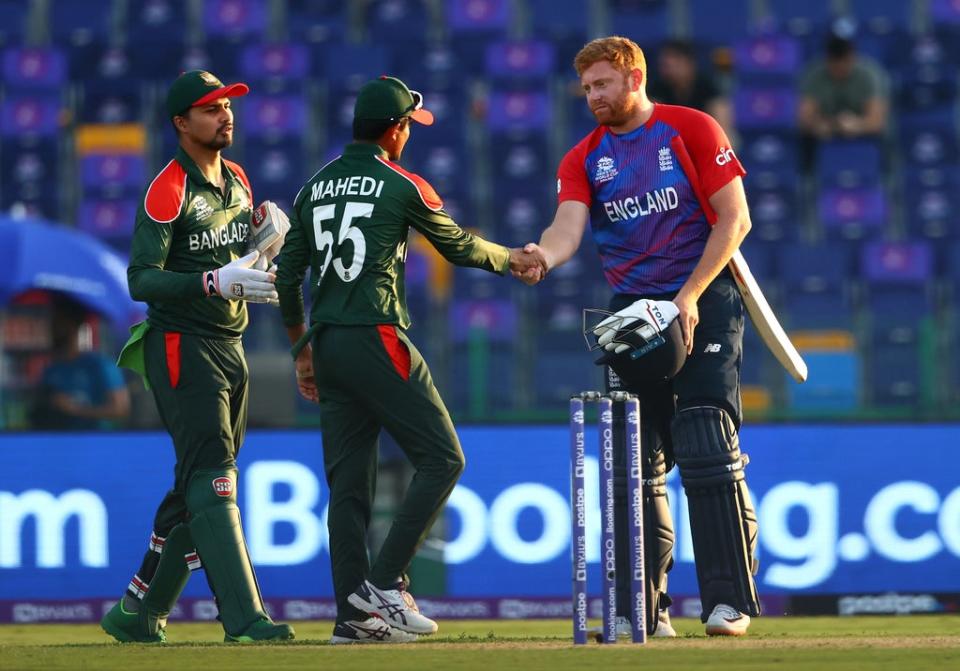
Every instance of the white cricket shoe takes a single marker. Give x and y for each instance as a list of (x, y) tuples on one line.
[(371, 630), (727, 621), (391, 606)]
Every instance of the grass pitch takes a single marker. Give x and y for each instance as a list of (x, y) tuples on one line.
[(914, 643)]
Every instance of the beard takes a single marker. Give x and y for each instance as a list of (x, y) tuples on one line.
[(221, 140), (617, 112)]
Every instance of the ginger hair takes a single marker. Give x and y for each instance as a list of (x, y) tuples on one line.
[(624, 54)]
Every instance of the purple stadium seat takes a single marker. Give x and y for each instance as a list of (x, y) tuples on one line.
[(108, 219), (520, 60), (234, 18), (853, 214), (263, 61), (945, 12), (765, 109), (518, 110), (900, 263), (34, 68), (467, 16), (29, 116), (112, 175), (767, 58), (496, 317), (274, 116)]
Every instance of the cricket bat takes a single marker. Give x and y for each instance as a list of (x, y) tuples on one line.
[(771, 332), (268, 228)]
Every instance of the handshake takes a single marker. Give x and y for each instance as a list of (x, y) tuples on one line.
[(529, 264), (251, 277)]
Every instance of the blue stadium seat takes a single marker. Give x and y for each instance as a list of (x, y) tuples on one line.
[(898, 277), (473, 24), (815, 291), (316, 22), (405, 22), (13, 21), (521, 219), (894, 375), (771, 159), (720, 24), (800, 18), (79, 24), (348, 67), (559, 374), (564, 23), (774, 214), (646, 21), (931, 208), (30, 177), (849, 163), (833, 383)]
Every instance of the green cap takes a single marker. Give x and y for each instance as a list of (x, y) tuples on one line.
[(199, 87), (389, 99)]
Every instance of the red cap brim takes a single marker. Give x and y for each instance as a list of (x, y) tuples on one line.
[(229, 91), (422, 116)]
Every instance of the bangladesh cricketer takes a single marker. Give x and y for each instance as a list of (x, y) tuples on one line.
[(187, 262), (350, 224)]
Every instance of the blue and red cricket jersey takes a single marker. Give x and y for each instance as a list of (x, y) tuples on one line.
[(647, 191)]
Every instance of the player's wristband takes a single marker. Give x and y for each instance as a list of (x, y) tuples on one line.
[(211, 283)]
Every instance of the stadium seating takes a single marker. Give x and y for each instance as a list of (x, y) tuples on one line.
[(858, 255)]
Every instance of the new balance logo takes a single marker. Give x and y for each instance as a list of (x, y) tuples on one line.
[(712, 348)]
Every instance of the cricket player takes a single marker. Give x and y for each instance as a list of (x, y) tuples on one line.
[(349, 225), (189, 262), (662, 190)]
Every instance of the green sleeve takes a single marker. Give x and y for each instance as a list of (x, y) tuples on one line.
[(146, 276), (455, 244), (291, 269)]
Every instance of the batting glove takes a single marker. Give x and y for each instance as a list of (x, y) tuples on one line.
[(239, 281)]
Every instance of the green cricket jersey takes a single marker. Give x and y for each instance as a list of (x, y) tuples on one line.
[(350, 225), (185, 226)]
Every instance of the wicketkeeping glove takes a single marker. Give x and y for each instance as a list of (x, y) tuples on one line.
[(651, 317), (238, 281)]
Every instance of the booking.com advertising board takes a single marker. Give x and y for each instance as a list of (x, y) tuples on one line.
[(844, 510)]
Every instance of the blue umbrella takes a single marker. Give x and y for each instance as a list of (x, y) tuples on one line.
[(39, 255)]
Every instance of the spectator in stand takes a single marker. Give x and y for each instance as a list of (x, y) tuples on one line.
[(81, 390), (678, 81), (845, 95)]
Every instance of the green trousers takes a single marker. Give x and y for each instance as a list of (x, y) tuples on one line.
[(372, 378), (200, 387)]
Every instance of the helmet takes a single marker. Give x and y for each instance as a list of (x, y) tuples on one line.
[(647, 346)]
